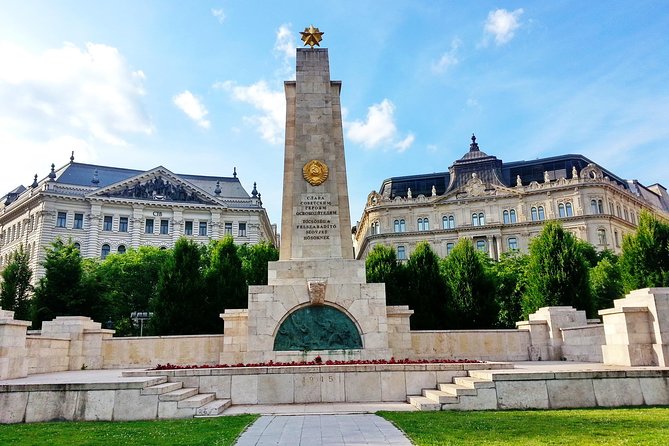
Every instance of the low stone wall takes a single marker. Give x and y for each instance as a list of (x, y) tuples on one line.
[(583, 343), (484, 345), (149, 351), (47, 354)]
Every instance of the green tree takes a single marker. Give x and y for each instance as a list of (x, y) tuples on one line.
[(254, 261), (471, 286), (606, 282), (510, 282), (557, 272), (60, 292), (645, 258), (180, 292), (382, 266), (15, 288), (427, 294)]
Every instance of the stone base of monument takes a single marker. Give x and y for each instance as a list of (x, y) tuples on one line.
[(309, 308)]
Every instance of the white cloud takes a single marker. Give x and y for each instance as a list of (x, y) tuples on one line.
[(219, 14), (271, 122), (193, 108), (285, 41), (501, 24), (448, 59), (379, 128)]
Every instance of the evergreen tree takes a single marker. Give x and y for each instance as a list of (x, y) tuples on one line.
[(254, 261), (15, 288), (382, 266), (510, 282), (645, 258), (426, 291), (557, 272), (59, 292), (471, 286), (180, 295)]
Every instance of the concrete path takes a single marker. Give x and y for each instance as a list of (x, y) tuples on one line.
[(322, 430)]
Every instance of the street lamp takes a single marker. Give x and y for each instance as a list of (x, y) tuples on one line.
[(140, 316)]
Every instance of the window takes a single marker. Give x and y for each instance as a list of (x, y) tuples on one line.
[(627, 215), (601, 236), (164, 226), (228, 228), (535, 216), (448, 222), (123, 224), (475, 219), (506, 217), (203, 228), (107, 224), (449, 248), (241, 230), (78, 221), (615, 235), (620, 214), (593, 206), (512, 214), (561, 211), (611, 208), (61, 220), (633, 215), (481, 219), (105, 251), (78, 246), (188, 229), (513, 244), (423, 224), (121, 249), (148, 226), (481, 245), (541, 213), (567, 207), (401, 253), (600, 206), (399, 225), (376, 229)]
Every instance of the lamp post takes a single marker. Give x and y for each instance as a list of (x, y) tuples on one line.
[(140, 316)]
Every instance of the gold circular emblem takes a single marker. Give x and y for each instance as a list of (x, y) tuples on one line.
[(315, 172)]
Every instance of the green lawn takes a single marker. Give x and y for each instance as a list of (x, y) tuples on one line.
[(647, 427), (219, 431)]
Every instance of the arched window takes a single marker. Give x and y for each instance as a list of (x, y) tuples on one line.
[(535, 217), (512, 214), (376, 228), (541, 213), (611, 208), (601, 236), (444, 222), (105, 251), (481, 219), (633, 215), (620, 214), (77, 245), (505, 217), (475, 219), (449, 247), (570, 212), (403, 226), (121, 249), (396, 225), (401, 253), (451, 222), (600, 206), (481, 245), (627, 214), (593, 206), (561, 211), (423, 224), (513, 244)]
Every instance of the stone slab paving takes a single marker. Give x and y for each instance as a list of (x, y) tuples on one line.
[(318, 408), (322, 430)]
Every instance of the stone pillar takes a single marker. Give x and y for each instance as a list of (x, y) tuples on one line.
[(235, 336), (637, 329), (85, 339), (94, 233), (13, 351), (399, 331), (137, 223), (545, 330)]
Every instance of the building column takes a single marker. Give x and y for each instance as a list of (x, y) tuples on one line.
[(137, 220), (215, 225), (177, 224), (94, 231)]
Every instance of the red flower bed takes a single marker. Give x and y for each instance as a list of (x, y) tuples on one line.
[(319, 361)]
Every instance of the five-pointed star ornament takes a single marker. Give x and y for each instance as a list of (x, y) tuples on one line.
[(311, 36)]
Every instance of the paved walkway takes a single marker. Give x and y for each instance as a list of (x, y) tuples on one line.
[(322, 430)]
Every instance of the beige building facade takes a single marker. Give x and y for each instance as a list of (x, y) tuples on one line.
[(106, 210), (501, 206)]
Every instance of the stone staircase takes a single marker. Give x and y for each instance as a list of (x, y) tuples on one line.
[(177, 401), (473, 392)]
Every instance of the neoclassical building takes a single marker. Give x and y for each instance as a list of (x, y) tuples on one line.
[(501, 206), (109, 209)]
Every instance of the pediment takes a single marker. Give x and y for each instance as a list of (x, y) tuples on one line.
[(158, 184)]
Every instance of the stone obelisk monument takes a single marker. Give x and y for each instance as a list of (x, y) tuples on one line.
[(317, 301)]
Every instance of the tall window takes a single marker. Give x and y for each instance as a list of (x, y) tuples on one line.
[(513, 244), (481, 245), (61, 220), (148, 226), (541, 213), (615, 235), (121, 249), (611, 208), (227, 228), (376, 228), (107, 223), (241, 230), (401, 253), (593, 206), (561, 211), (188, 228), (627, 214), (475, 220), (601, 236), (203, 228), (449, 247), (423, 224), (512, 214), (505, 217), (448, 222), (78, 246), (399, 225), (620, 214), (633, 215), (481, 219), (105, 251), (78, 221), (164, 226), (600, 206), (535, 215), (123, 224), (568, 209)]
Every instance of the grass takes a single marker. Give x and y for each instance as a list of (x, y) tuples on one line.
[(646, 426), (219, 431)]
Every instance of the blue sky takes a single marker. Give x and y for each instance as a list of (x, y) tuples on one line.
[(198, 86)]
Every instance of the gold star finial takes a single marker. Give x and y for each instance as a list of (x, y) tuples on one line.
[(311, 36)]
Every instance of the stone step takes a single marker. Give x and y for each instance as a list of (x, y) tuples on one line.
[(213, 408), (483, 375), (439, 396), (179, 394), (456, 390), (162, 388), (473, 383), (423, 403), (196, 401)]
